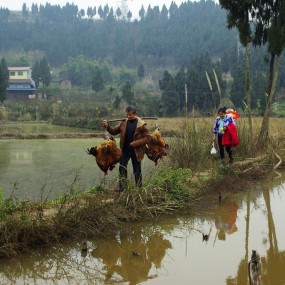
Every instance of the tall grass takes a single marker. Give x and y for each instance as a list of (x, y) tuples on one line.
[(191, 145)]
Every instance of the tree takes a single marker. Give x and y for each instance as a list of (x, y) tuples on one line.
[(106, 10), (238, 89), (141, 71), (81, 13), (24, 10), (127, 93), (239, 16), (90, 12), (4, 78), (35, 9), (45, 72), (36, 73), (180, 81), (118, 12), (169, 98), (100, 12), (270, 29), (117, 102), (97, 81), (142, 13), (164, 13), (129, 15)]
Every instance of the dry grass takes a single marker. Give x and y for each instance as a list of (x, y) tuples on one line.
[(25, 224), (174, 124)]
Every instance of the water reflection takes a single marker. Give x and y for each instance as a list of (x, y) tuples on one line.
[(171, 250), (131, 258), (126, 258), (32, 164), (225, 221)]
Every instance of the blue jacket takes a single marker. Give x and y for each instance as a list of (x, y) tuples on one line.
[(220, 123)]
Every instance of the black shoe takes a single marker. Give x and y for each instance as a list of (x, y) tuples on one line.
[(231, 160)]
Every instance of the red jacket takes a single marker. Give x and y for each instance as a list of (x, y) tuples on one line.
[(230, 137)]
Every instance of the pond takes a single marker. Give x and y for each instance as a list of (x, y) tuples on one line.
[(213, 247), (31, 167)]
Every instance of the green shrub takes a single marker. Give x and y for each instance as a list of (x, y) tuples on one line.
[(176, 182)]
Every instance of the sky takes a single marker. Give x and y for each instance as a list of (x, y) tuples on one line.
[(133, 5)]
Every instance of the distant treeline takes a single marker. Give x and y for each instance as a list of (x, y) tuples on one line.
[(167, 36), (176, 45)]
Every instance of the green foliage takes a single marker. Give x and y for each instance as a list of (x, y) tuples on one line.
[(18, 60), (45, 72), (177, 182), (98, 188), (36, 73), (238, 89), (4, 77), (127, 93), (97, 81), (141, 71), (169, 98), (155, 37)]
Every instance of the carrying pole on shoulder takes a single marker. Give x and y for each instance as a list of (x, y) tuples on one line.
[(144, 118)]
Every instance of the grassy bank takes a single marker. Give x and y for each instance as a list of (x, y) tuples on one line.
[(189, 179)]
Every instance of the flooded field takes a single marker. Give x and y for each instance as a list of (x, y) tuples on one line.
[(214, 246), (30, 167)]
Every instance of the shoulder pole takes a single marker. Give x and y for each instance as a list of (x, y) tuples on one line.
[(144, 118)]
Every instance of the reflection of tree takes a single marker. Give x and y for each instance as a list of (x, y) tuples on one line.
[(242, 273), (273, 264), (4, 156), (132, 258), (115, 260)]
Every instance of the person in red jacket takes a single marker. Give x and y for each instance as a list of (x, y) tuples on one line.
[(225, 131)]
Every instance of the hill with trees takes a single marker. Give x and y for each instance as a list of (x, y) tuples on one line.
[(107, 53)]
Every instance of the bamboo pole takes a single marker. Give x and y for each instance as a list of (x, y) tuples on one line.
[(144, 118)]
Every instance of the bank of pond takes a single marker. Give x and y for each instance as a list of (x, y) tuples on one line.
[(127, 242)]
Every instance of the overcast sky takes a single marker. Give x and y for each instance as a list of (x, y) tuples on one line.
[(134, 5)]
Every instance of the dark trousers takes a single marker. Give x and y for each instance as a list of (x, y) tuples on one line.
[(123, 172), (222, 148)]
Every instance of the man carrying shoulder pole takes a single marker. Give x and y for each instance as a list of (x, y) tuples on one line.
[(133, 139)]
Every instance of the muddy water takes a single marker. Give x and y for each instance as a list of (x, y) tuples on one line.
[(29, 168), (211, 247)]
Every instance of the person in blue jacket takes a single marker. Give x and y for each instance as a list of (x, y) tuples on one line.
[(220, 126)]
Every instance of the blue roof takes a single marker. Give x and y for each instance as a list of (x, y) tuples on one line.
[(21, 89)]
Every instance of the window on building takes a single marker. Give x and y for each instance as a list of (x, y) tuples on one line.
[(12, 73), (20, 73)]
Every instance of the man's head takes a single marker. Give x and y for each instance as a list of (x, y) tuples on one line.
[(131, 113)]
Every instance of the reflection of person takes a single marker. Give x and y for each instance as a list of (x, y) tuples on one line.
[(132, 257), (135, 265), (109, 250), (225, 130), (226, 219), (157, 247), (133, 138)]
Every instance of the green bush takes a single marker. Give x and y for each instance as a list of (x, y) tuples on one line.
[(176, 182)]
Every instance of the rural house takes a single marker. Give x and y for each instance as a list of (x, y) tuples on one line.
[(21, 84)]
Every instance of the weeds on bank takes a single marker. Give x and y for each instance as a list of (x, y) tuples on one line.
[(179, 184)]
